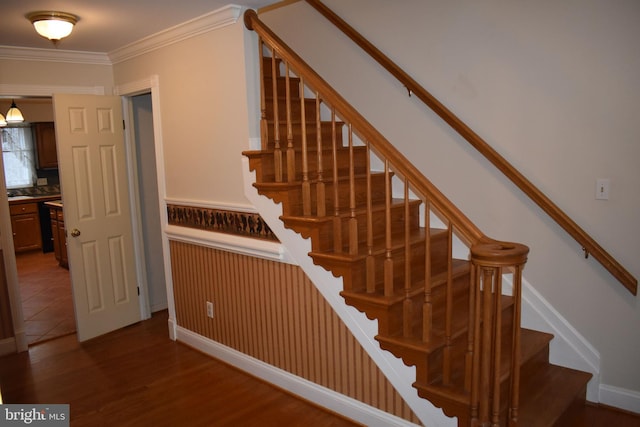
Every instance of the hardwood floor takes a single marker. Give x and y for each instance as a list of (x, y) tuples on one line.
[(600, 416), (138, 377)]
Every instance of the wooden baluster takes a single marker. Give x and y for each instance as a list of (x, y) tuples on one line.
[(497, 343), (407, 305), (471, 334), (337, 222), (485, 357), (515, 350), (476, 275), (427, 308), (291, 154), (446, 360), (388, 260), (353, 221), (264, 126), (371, 261), (277, 153), (306, 185), (321, 206)]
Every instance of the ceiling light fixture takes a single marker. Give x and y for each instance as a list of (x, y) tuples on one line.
[(3, 122), (14, 115), (53, 25)]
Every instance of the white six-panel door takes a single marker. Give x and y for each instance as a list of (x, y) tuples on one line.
[(95, 192)]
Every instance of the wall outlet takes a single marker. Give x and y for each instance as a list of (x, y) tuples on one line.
[(41, 181), (209, 309)]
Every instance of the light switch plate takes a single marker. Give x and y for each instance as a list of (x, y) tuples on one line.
[(602, 189)]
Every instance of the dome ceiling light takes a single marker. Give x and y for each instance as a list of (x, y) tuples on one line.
[(53, 25), (14, 115)]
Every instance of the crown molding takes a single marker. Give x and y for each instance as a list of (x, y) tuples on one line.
[(53, 55), (48, 90), (217, 19)]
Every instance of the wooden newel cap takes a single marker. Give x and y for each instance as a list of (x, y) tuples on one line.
[(248, 16), (499, 254)]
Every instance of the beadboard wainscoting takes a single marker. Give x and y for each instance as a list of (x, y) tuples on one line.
[(272, 312)]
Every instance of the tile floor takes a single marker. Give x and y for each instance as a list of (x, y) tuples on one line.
[(47, 303)]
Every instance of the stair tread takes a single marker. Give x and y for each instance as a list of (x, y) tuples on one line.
[(346, 212), (268, 152), (379, 246), (418, 345), (285, 186), (547, 392), (459, 267), (531, 343)]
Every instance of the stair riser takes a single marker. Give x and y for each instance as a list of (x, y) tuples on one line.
[(390, 318), (459, 350), (266, 67), (311, 132), (296, 110), (264, 164), (292, 200), (355, 273), (294, 87), (429, 363), (323, 233)]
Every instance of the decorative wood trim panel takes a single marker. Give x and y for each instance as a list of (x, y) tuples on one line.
[(271, 311), (246, 224)]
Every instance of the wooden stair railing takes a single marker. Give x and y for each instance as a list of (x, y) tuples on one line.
[(445, 315), (588, 244)]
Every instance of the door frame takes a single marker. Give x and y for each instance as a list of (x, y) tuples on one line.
[(127, 91)]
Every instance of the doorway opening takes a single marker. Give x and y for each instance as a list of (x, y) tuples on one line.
[(34, 264), (31, 175)]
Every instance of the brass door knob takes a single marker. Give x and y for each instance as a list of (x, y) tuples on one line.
[(75, 232)]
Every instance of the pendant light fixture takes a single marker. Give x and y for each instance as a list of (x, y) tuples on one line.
[(53, 25), (14, 115), (3, 122)]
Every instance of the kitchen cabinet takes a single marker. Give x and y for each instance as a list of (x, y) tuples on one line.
[(45, 137), (59, 233), (25, 223)]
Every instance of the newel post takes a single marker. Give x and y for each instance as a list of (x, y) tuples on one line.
[(494, 319)]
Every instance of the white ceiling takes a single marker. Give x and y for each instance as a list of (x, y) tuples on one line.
[(104, 25)]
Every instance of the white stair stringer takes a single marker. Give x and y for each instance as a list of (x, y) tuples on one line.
[(364, 330)]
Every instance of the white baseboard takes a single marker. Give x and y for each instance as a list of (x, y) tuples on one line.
[(629, 400), (159, 306), (7, 346), (307, 390)]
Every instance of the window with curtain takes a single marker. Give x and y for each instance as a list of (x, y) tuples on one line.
[(18, 155)]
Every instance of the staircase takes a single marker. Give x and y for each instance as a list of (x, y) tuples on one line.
[(380, 225)]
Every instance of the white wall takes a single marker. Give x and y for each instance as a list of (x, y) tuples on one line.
[(552, 86), (36, 73), (204, 113)]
